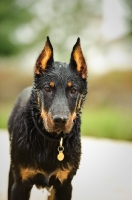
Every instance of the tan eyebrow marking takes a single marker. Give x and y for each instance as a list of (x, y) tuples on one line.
[(52, 84), (69, 84)]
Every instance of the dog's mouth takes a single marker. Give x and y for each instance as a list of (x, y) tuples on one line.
[(62, 128), (58, 130)]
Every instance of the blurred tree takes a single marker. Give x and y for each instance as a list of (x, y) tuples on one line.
[(12, 15), (128, 5), (26, 23)]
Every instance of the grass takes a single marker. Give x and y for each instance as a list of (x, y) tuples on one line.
[(108, 123), (5, 109), (103, 122), (109, 97)]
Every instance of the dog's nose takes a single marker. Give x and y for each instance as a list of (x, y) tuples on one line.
[(60, 120)]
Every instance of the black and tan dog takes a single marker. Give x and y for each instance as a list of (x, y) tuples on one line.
[(44, 127)]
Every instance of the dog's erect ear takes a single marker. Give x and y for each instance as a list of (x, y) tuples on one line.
[(77, 59), (45, 58)]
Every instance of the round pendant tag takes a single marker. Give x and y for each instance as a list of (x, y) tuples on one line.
[(60, 156)]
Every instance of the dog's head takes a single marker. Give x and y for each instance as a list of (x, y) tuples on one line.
[(61, 88)]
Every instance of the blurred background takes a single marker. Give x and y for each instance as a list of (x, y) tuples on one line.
[(105, 29)]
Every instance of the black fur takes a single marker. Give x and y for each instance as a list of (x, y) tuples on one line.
[(29, 149)]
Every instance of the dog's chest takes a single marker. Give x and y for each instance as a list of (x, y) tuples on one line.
[(34, 174)]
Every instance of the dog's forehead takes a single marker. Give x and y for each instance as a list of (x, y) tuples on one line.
[(60, 65), (61, 74), (61, 70)]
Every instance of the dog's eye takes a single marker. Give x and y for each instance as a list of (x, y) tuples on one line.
[(47, 89), (73, 90)]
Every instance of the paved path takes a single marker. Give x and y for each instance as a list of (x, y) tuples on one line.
[(105, 172)]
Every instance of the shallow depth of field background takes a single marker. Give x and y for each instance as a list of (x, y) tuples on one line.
[(105, 29)]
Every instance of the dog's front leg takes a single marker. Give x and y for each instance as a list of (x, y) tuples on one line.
[(21, 191), (64, 191)]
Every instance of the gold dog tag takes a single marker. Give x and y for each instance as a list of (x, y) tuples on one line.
[(60, 156)]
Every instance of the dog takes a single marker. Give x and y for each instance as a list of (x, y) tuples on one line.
[(44, 127)]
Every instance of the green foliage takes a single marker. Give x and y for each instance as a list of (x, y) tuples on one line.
[(12, 15), (128, 17)]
